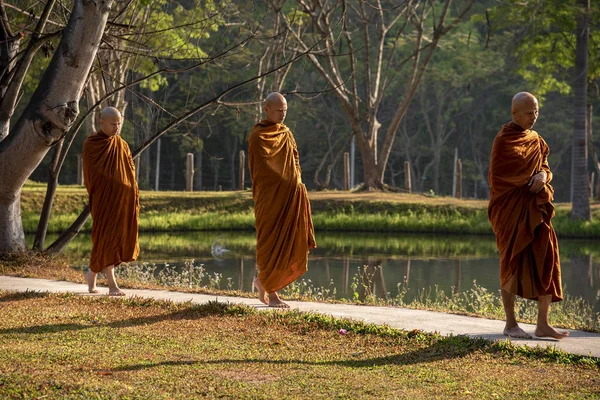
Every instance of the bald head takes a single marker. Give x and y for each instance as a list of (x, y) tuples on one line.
[(524, 109), (110, 121), (275, 107)]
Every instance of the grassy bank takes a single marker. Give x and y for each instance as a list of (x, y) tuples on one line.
[(55, 346), (332, 211)]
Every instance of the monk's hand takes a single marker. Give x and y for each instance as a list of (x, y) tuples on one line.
[(537, 182)]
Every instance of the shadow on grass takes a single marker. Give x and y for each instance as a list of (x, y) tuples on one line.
[(444, 349), (17, 296), (193, 312)]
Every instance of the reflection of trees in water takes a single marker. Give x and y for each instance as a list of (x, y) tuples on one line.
[(371, 277), (591, 278), (458, 273), (241, 275)]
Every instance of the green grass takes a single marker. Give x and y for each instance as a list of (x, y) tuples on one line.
[(332, 211), (66, 346)]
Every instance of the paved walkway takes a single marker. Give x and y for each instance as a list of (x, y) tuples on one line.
[(578, 342)]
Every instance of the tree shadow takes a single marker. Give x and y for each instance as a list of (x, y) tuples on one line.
[(193, 312), (18, 296), (446, 348)]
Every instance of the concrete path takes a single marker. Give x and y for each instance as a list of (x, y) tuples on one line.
[(579, 342)]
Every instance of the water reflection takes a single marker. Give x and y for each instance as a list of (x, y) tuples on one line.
[(367, 264)]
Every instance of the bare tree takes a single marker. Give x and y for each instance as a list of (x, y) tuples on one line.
[(361, 44)]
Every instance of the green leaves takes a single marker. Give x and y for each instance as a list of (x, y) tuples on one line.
[(540, 36)]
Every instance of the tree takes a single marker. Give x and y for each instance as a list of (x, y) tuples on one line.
[(363, 48), (579, 167), (53, 107)]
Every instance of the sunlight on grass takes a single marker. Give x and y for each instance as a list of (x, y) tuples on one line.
[(98, 347)]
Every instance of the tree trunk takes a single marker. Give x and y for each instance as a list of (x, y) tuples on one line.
[(42, 229), (371, 173), (579, 170), (437, 157), (50, 113)]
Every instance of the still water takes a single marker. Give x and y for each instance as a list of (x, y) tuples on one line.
[(418, 262)]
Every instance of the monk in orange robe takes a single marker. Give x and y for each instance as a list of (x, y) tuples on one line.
[(520, 211), (284, 230), (109, 176)]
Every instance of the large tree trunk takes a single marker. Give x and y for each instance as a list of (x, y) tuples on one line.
[(579, 170), (50, 113)]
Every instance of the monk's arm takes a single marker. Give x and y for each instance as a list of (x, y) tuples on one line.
[(545, 165), (296, 155)]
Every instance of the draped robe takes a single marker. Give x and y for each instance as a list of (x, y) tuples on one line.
[(521, 220), (284, 230), (109, 176)]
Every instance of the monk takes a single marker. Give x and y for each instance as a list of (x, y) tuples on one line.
[(109, 176), (284, 230), (520, 211)]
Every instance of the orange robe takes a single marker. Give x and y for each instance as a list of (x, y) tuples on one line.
[(284, 230), (521, 220), (109, 176)]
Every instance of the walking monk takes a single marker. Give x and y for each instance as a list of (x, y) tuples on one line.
[(109, 176), (520, 211), (284, 230)]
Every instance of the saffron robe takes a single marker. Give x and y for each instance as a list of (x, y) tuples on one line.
[(109, 176), (521, 220), (284, 229)]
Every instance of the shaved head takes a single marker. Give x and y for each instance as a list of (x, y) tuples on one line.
[(524, 109), (110, 121), (275, 107), (109, 112), (274, 97), (523, 98)]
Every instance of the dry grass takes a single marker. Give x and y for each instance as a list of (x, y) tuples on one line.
[(64, 346)]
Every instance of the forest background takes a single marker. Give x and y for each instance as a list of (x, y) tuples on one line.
[(204, 47)]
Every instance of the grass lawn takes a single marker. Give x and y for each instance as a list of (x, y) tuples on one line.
[(333, 211), (65, 346)]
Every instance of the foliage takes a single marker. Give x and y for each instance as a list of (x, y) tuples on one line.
[(544, 33)]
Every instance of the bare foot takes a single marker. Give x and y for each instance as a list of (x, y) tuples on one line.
[(548, 331), (116, 292), (275, 301), (516, 332), (261, 292), (90, 278)]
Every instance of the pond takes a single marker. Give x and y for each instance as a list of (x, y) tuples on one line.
[(378, 263)]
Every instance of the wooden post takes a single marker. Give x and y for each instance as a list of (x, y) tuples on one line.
[(242, 169), (346, 171), (454, 172), (79, 170), (189, 172), (156, 177), (407, 183), (458, 179), (591, 186), (220, 188)]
